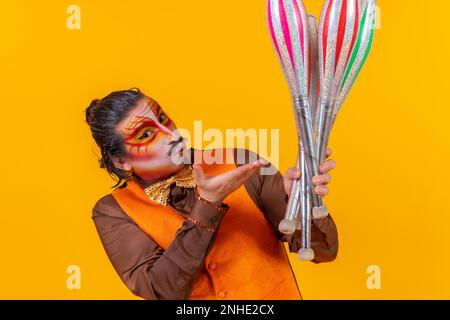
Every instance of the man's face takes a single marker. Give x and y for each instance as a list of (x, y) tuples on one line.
[(151, 142)]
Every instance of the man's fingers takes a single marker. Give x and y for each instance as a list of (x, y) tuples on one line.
[(328, 152), (321, 190), (322, 179), (239, 175), (288, 178), (293, 174), (327, 166), (247, 172)]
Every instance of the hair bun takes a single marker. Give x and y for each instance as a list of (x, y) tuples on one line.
[(90, 111)]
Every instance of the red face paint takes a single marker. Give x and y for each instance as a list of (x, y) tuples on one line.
[(148, 135)]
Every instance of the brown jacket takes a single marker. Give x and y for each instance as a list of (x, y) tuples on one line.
[(154, 273)]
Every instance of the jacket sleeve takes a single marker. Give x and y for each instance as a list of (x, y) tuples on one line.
[(145, 268)]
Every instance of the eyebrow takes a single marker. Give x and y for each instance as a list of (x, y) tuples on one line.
[(139, 121), (142, 124)]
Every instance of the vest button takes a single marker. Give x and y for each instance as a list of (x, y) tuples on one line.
[(212, 265), (221, 294)]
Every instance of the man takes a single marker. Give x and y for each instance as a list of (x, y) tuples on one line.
[(191, 230)]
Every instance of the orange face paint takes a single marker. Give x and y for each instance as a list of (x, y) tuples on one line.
[(150, 137)]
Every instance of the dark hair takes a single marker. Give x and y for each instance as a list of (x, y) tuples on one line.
[(103, 115)]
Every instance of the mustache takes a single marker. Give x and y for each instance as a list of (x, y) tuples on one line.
[(174, 144)]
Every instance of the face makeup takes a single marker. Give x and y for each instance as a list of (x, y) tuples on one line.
[(151, 140)]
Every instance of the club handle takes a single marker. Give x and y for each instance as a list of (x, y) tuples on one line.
[(325, 120), (289, 224), (308, 146), (306, 254)]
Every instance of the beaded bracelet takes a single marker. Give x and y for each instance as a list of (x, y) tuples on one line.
[(221, 209), (210, 229)]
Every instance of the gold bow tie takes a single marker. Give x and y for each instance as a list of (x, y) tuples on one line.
[(159, 191)]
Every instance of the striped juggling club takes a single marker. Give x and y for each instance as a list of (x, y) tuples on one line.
[(288, 25), (346, 31)]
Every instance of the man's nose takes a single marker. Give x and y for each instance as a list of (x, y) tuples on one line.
[(175, 136), (164, 129)]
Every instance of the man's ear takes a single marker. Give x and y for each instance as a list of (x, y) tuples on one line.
[(121, 163)]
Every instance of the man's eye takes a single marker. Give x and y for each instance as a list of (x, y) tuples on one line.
[(147, 133), (162, 118)]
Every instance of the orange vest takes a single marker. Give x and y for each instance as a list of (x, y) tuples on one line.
[(246, 261)]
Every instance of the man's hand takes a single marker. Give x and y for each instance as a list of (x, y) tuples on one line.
[(217, 188), (320, 181)]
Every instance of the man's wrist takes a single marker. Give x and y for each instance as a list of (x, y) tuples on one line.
[(210, 199), (207, 215)]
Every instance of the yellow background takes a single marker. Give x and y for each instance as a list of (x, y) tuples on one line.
[(213, 60)]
